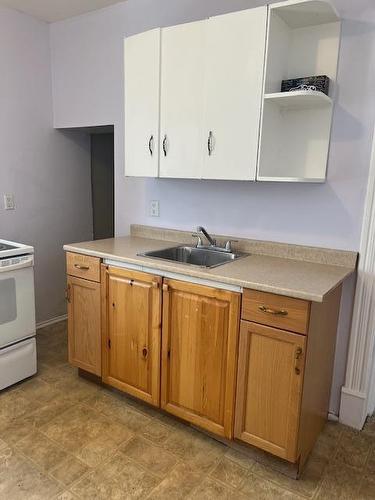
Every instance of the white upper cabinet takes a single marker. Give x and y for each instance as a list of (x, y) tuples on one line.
[(234, 79), (214, 87), (142, 91), (183, 68)]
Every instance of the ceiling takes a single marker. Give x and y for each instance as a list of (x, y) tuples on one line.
[(56, 10)]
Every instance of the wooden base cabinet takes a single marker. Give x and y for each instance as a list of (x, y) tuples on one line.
[(84, 335), (131, 325), (269, 388), (200, 330)]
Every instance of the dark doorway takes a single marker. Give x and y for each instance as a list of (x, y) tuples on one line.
[(102, 182)]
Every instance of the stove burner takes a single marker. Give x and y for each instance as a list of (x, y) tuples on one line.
[(5, 246)]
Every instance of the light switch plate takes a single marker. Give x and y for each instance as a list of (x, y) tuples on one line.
[(154, 208), (9, 201)]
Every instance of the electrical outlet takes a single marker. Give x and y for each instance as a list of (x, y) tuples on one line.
[(154, 208), (9, 201)]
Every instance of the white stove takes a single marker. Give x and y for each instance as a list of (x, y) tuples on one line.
[(17, 313)]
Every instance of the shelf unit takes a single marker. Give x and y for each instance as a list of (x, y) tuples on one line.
[(303, 40)]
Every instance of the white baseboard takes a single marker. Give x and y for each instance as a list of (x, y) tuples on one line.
[(353, 409), (51, 321)]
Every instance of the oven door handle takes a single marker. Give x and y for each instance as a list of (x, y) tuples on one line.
[(20, 265)]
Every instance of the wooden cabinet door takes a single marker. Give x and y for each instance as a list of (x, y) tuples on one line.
[(182, 141), (234, 84), (269, 388), (84, 335), (142, 97), (200, 331), (131, 332)]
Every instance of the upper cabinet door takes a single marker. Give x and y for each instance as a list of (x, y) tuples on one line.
[(182, 140), (142, 92), (234, 63)]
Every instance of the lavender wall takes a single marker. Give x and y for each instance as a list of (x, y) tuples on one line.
[(48, 171), (87, 55), (88, 90)]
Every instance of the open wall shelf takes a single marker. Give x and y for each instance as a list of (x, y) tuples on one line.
[(303, 40)]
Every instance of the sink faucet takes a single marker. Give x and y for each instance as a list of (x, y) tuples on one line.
[(201, 230)]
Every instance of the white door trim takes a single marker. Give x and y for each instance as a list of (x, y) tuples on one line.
[(357, 398)]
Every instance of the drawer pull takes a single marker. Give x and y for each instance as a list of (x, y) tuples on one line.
[(297, 358), (275, 312), (82, 268)]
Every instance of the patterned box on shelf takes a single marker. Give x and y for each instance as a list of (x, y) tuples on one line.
[(321, 83)]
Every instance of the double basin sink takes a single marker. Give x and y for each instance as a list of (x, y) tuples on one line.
[(203, 257)]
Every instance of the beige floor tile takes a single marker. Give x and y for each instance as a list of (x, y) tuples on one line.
[(153, 458), (177, 485), (36, 389), (229, 472), (354, 448), (256, 487), (156, 432), (213, 490), (340, 481), (308, 483), (41, 450), (13, 404), (69, 470), (97, 451), (54, 374), (19, 479), (195, 448), (116, 407), (370, 465), (77, 389), (367, 488), (121, 479), (66, 495), (240, 458)]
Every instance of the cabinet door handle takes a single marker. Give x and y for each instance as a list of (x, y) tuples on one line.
[(165, 145), (151, 145), (67, 293), (209, 143), (275, 312), (82, 268), (297, 358)]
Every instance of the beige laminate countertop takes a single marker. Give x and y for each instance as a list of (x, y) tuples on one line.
[(293, 278)]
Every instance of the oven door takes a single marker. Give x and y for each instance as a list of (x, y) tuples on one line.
[(17, 301)]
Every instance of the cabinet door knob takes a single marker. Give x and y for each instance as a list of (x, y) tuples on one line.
[(275, 312), (298, 357), (82, 268), (67, 293), (210, 143), (165, 145), (151, 145)]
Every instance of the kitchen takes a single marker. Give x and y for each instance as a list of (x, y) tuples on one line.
[(319, 218)]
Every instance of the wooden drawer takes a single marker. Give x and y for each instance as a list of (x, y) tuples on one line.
[(275, 310), (83, 266)]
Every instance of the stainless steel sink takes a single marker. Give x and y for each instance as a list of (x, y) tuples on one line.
[(202, 257)]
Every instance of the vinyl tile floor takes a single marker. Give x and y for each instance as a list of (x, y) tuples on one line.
[(63, 437)]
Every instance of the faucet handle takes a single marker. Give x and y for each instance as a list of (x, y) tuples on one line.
[(228, 245), (199, 240)]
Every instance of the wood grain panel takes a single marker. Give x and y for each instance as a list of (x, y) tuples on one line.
[(269, 309), (269, 389), (131, 332), (200, 330), (84, 331), (83, 266), (321, 343)]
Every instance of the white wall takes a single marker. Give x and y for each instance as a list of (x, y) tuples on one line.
[(87, 55), (48, 171)]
